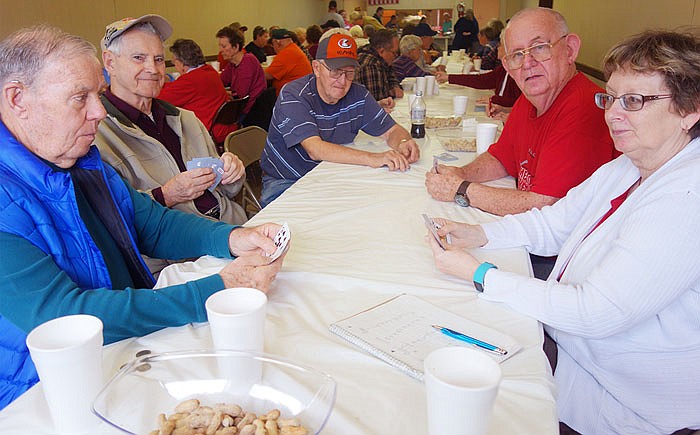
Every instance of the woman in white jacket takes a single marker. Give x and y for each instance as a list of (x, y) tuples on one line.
[(623, 300)]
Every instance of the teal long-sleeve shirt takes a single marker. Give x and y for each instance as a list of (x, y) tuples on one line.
[(33, 289)]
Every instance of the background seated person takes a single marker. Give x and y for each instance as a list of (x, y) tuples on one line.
[(315, 115), (149, 141), (359, 35), (426, 35), (289, 63), (405, 65), (375, 71), (73, 230), (198, 88), (243, 74), (506, 90), (256, 47), (313, 35), (489, 48), (623, 300)]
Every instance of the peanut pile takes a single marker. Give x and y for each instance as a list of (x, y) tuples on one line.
[(459, 144), (441, 122), (223, 419)]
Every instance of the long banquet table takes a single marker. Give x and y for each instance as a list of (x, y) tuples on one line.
[(358, 239)]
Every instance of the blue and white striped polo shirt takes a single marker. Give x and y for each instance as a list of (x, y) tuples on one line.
[(300, 113)]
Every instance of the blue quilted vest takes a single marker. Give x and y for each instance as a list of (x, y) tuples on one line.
[(38, 204)]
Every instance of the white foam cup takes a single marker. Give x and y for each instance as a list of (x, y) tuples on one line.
[(477, 64), (485, 136), (459, 104), (420, 84), (67, 353), (461, 386), (430, 85), (237, 319)]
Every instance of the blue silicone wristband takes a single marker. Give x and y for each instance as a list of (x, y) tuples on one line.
[(479, 275)]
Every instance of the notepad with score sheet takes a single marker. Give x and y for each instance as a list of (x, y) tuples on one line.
[(399, 331)]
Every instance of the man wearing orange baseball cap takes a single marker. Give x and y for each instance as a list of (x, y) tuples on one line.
[(317, 113)]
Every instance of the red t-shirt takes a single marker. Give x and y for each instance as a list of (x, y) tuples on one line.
[(201, 91), (556, 151), (289, 64)]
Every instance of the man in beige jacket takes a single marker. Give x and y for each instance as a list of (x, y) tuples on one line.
[(149, 141)]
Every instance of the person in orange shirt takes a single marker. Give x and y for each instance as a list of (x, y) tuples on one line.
[(290, 63)]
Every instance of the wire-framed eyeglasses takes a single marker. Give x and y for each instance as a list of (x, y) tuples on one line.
[(540, 52), (629, 102), (336, 73)]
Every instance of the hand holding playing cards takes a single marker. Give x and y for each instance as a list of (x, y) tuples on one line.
[(253, 271), (461, 235), (453, 260), (443, 185), (187, 185), (257, 241), (233, 168)]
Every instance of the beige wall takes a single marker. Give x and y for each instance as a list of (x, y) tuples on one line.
[(198, 19), (602, 23)]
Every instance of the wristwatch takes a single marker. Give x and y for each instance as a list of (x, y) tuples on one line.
[(461, 197)]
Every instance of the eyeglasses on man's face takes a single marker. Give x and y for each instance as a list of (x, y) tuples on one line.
[(540, 52), (629, 102), (335, 74)]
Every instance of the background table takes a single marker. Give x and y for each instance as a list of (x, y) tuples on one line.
[(358, 239)]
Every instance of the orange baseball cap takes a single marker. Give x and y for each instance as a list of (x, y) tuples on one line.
[(338, 51)]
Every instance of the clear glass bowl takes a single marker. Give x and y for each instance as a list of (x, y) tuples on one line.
[(457, 139), (156, 383)]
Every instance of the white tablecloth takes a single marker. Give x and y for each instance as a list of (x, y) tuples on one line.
[(358, 239)]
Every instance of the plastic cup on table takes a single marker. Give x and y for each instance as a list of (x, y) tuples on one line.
[(420, 85), (459, 104), (485, 136), (237, 319), (430, 85), (67, 353), (477, 64), (461, 386)]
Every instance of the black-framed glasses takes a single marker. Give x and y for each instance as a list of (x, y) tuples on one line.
[(629, 102), (540, 52), (335, 74)]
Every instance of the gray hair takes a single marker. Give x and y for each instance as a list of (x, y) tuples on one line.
[(115, 44), (408, 43), (557, 19), (25, 53)]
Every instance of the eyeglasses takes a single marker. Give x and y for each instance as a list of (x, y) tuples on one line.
[(335, 74), (539, 52), (629, 102)]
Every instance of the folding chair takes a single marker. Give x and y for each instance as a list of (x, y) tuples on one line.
[(248, 143), (229, 113)]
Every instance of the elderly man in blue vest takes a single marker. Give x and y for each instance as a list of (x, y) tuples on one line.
[(73, 231)]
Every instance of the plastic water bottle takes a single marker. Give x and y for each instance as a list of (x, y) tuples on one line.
[(418, 116)]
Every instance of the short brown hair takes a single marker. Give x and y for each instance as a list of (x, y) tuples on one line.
[(235, 37), (675, 55)]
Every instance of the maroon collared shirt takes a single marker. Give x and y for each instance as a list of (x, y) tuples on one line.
[(158, 129)]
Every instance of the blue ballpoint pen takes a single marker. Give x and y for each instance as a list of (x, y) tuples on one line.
[(467, 339)]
